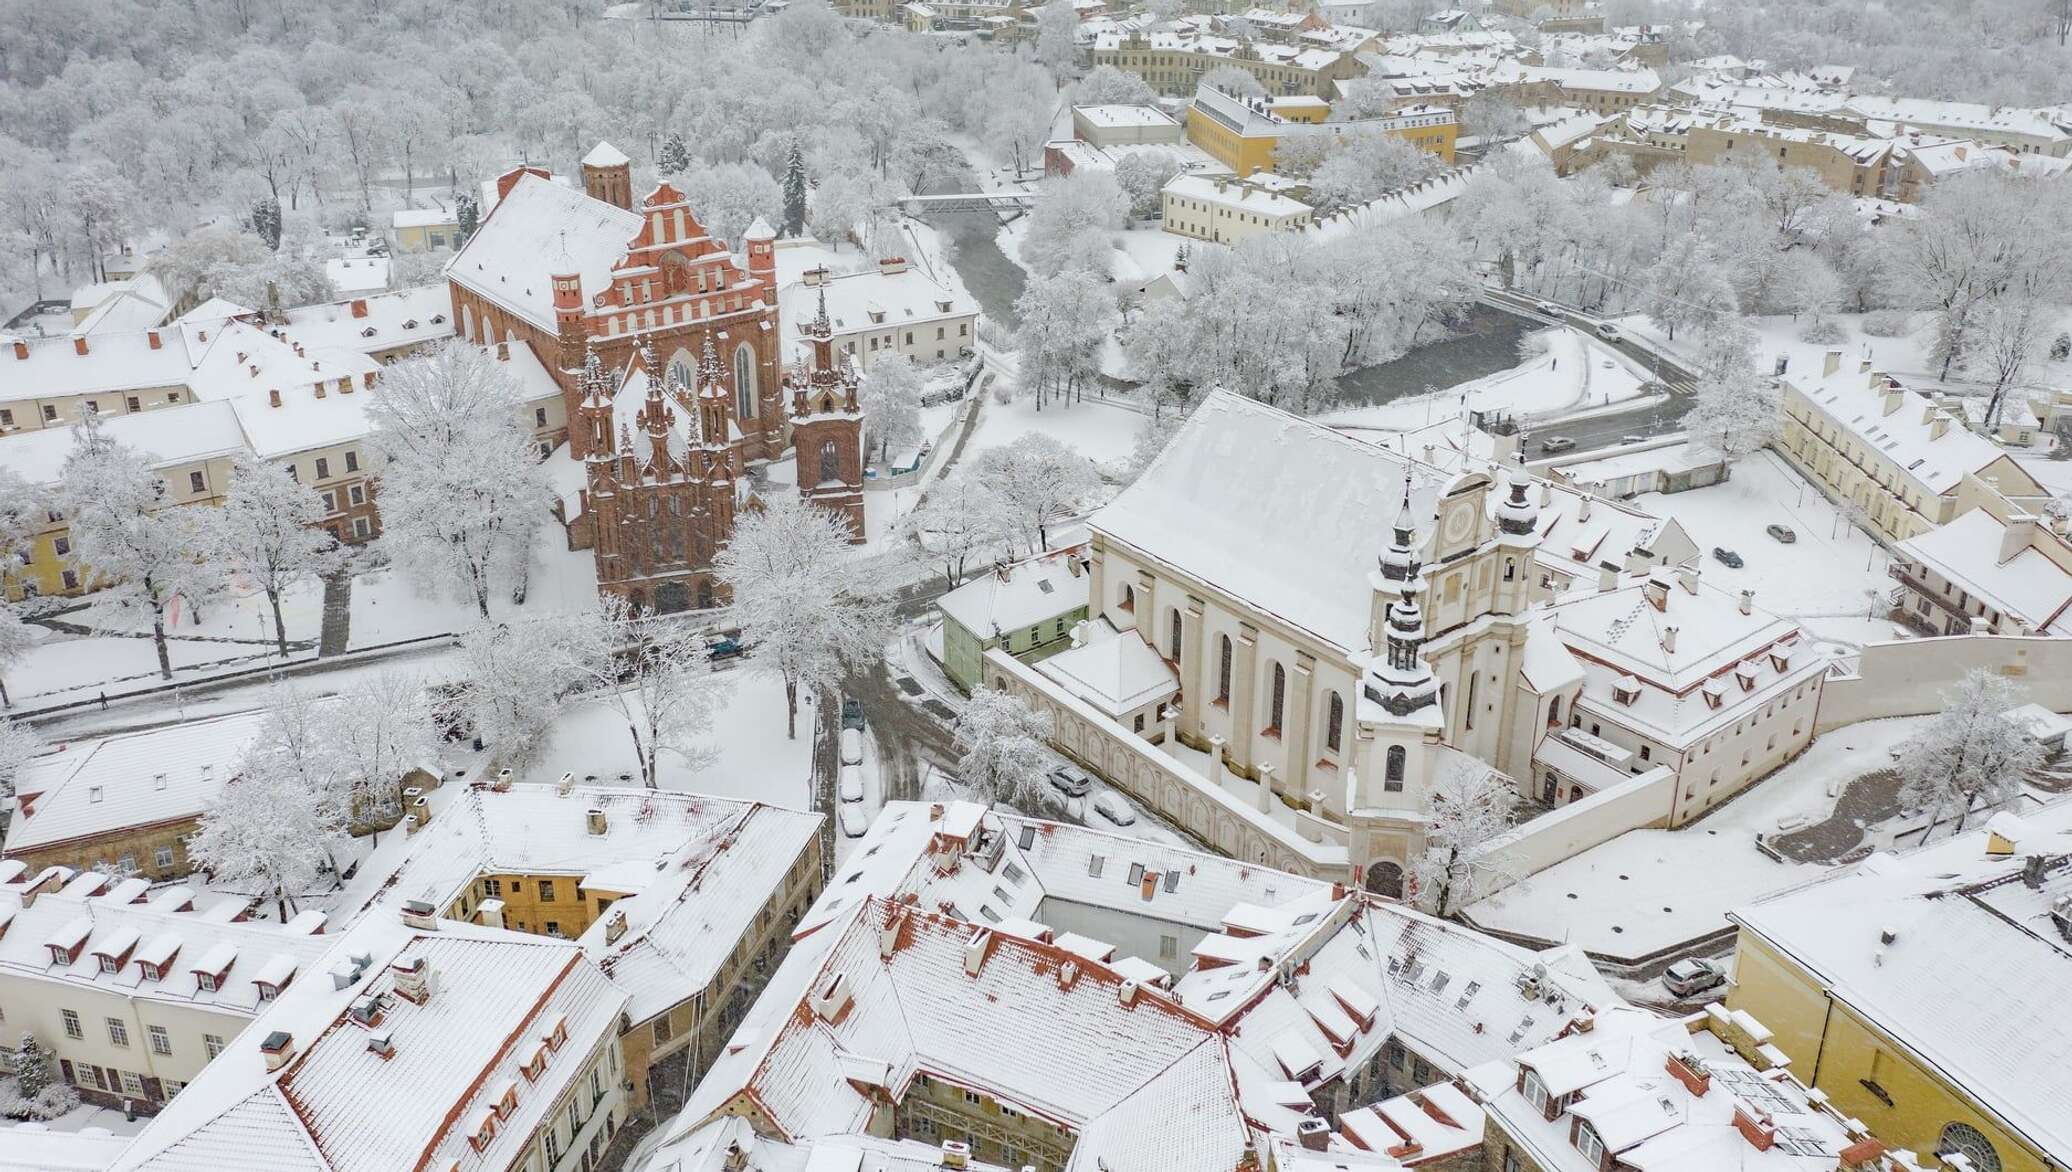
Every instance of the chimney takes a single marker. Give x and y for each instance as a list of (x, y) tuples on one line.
[(79, 344), (1669, 639), (1689, 1070), (1583, 506), (1831, 363), (1894, 400), (975, 952), (1068, 974), (1761, 1134), (595, 820), (420, 915), (566, 784), (1127, 993), (1607, 577), (382, 1040), (2017, 535), (2035, 868), (888, 936), (1938, 426), (273, 397), (21, 349), (278, 1049), (414, 979), (359, 307), (1687, 577), (319, 384), (956, 1154), (502, 784), (1658, 592), (832, 997), (153, 338), (615, 927), (490, 913), (1747, 602), (1313, 1134)]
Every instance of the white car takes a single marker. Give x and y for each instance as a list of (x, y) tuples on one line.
[(853, 821), (1114, 808), (852, 783), (1608, 331), (852, 747)]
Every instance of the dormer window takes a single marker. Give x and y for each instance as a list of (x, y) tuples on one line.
[(150, 971), (110, 964), (483, 1133), (1588, 1143), (59, 954), (206, 982)]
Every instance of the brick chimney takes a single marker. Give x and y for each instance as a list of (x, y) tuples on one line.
[(273, 397), (359, 307), (1747, 604), (278, 1049), (21, 349), (1760, 1133), (152, 336), (1690, 1072), (79, 344)]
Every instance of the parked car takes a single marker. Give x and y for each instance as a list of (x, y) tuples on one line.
[(1071, 781), (1608, 331), (852, 783), (1633, 439), (852, 712), (853, 821), (1114, 808), (1692, 976), (1783, 533), (1552, 310), (723, 649), (1726, 557), (852, 747), (1556, 443)]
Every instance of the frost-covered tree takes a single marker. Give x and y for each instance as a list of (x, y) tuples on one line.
[(840, 204), (729, 196), (265, 219), (1065, 319), (512, 681), (1072, 227), (43, 1093), (16, 641), (129, 536), (467, 215), (267, 531), (377, 732), (1000, 747), (1978, 234), (959, 519), (1687, 287), (1039, 482), (1142, 175), (795, 190), (463, 490), (652, 671), (19, 744), (1468, 807), (891, 401), (283, 814), (1055, 24), (1366, 166), (1105, 85), (1732, 416), (797, 598), (1972, 756), (675, 155)]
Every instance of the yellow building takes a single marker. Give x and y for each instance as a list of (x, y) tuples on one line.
[(1173, 63), (1926, 993), (425, 230), (1245, 135)]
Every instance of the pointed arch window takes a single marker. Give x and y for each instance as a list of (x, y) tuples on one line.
[(744, 382), (1176, 633), (1223, 671), (1392, 775), (830, 462), (1278, 706), (1334, 734)]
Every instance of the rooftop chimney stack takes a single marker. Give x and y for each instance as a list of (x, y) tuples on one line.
[(414, 979), (1747, 605), (595, 820), (278, 1049)]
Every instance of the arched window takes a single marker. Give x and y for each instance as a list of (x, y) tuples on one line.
[(1334, 734), (681, 372), (830, 463), (1963, 1137), (1129, 597), (1223, 672), (467, 323), (744, 382), (1392, 776), (1279, 704), (1176, 633)]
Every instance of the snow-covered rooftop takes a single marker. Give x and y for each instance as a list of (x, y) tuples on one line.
[(135, 779), (1020, 594), (1974, 979), (1117, 672), (1903, 426), (380, 322), (2026, 583), (540, 229), (1299, 512), (182, 434), (1227, 194), (605, 154)]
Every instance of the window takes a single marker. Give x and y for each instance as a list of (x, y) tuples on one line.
[(1334, 723), (1176, 633), (356, 494), (62, 545), (196, 483), (135, 404), (1278, 704), (162, 857), (554, 928), (539, 417), (212, 1044), (1223, 671), (744, 382), (50, 413), (663, 1030), (161, 1042), (546, 891), (72, 1029), (1588, 1144), (1964, 1138), (323, 467), (352, 461), (1168, 947), (330, 503), (361, 528), (492, 887), (1392, 777), (118, 1033), (6, 417), (1094, 865), (131, 1084)]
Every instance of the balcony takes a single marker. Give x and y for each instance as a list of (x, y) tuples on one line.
[(1915, 586)]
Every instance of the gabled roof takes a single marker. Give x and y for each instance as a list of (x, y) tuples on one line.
[(540, 229), (135, 779)]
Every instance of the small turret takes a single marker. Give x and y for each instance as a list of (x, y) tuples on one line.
[(1517, 515)]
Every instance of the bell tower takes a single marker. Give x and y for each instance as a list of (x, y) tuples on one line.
[(827, 426)]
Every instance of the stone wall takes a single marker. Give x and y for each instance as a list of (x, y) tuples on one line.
[(1566, 831), (1155, 780), (1909, 677)]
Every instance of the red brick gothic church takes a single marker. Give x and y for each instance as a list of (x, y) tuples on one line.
[(666, 349)]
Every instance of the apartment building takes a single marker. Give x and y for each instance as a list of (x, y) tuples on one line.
[(1866, 439), (1986, 573), (1173, 62), (1226, 212), (890, 308), (1245, 134), (417, 1043), (1905, 987), (136, 989)]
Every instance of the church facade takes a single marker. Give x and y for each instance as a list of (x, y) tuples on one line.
[(665, 344)]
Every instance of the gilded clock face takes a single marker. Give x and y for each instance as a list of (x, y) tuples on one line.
[(1459, 523)]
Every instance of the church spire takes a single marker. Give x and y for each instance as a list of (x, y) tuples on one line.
[(1399, 562)]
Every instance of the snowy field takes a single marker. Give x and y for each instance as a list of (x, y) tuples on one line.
[(754, 761), (1648, 890), (1103, 431), (1826, 579)]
